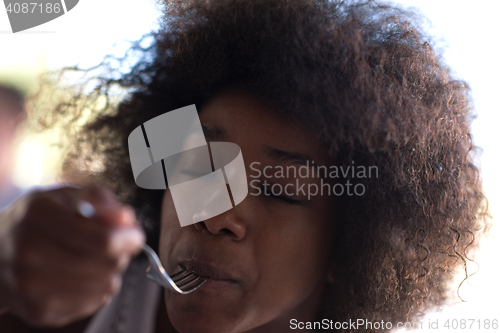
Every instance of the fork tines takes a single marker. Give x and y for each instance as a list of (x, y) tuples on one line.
[(182, 282), (188, 281)]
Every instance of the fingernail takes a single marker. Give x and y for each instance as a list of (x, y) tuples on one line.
[(126, 240), (128, 215)]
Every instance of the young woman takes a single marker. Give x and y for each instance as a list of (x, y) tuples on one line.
[(293, 83)]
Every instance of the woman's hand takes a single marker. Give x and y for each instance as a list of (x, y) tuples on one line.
[(56, 266)]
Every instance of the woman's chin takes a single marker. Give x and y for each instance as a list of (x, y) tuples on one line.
[(201, 322), (188, 325), (202, 315)]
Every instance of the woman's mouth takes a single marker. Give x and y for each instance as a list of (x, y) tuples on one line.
[(216, 277)]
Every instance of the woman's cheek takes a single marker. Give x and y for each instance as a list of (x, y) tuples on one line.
[(170, 227), (169, 219)]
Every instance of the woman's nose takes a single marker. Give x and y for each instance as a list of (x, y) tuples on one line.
[(228, 223)]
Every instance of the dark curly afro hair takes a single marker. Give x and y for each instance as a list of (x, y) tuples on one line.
[(365, 80)]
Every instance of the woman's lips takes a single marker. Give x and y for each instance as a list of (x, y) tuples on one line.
[(216, 277)]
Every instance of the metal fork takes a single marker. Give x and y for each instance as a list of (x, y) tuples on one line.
[(183, 282)]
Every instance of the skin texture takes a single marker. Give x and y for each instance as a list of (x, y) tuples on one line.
[(276, 252)]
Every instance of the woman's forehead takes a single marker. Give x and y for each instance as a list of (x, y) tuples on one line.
[(245, 119)]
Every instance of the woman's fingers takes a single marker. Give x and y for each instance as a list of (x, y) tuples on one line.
[(63, 266), (108, 209), (113, 231), (44, 254)]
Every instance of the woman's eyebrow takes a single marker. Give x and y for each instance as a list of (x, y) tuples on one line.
[(286, 156), (214, 133)]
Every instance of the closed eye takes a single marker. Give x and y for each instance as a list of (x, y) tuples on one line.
[(283, 198)]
